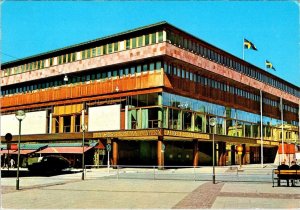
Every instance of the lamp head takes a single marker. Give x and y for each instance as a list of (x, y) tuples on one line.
[(20, 115), (212, 122), (66, 79)]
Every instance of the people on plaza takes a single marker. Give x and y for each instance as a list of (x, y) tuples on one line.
[(294, 166), (283, 166)]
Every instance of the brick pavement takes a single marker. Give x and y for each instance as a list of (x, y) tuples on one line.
[(202, 197)]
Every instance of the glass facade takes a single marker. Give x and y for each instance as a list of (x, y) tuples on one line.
[(193, 115), (170, 111)]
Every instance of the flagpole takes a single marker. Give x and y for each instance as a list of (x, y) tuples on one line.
[(261, 131), (282, 145)]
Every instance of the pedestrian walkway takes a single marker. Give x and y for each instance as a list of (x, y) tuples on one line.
[(69, 191)]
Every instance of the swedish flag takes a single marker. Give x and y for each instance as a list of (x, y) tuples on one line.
[(249, 45), (269, 65)]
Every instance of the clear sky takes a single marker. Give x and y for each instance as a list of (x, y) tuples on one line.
[(34, 27)]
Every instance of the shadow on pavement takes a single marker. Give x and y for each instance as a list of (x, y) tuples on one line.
[(25, 173)]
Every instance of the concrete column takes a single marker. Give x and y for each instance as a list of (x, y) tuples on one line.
[(160, 114), (193, 122), (160, 152), (61, 124), (180, 121), (195, 153), (166, 120), (245, 155), (72, 126), (53, 122), (139, 118), (233, 161), (115, 151), (246, 159), (222, 154)]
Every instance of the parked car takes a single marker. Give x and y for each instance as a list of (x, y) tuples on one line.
[(49, 164)]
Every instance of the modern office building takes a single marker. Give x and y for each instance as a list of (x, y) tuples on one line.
[(149, 93)]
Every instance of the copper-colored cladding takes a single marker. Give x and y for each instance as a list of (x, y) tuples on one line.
[(195, 152), (84, 92), (160, 152), (223, 71), (115, 152)]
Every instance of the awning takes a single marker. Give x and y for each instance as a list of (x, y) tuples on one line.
[(15, 152), (31, 146), (63, 150)]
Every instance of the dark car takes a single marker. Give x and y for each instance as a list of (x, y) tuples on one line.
[(49, 164)]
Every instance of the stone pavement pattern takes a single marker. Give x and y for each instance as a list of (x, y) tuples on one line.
[(68, 191)]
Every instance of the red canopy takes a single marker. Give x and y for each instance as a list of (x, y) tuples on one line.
[(63, 150)]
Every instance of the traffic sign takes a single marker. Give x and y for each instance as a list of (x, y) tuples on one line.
[(8, 137)]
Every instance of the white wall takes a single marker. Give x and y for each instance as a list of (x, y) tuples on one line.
[(34, 123), (104, 118)]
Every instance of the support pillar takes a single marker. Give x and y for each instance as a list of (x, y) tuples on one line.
[(160, 111), (233, 161), (53, 123), (246, 159), (193, 122), (72, 126), (195, 152), (222, 154), (61, 124), (160, 152), (243, 156), (115, 151)]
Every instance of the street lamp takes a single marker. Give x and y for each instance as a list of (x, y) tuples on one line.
[(66, 79), (212, 123), (20, 115), (83, 128)]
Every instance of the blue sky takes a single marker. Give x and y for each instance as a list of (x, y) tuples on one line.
[(33, 27)]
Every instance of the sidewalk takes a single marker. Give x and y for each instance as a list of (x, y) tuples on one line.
[(69, 191)]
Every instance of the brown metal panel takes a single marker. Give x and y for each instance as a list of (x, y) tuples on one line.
[(122, 120)]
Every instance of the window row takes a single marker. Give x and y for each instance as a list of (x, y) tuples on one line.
[(184, 73), (131, 43), (186, 103), (84, 77), (197, 48)]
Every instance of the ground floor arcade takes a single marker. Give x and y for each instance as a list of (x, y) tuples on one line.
[(163, 147)]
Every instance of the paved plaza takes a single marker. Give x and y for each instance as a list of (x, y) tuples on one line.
[(105, 191)]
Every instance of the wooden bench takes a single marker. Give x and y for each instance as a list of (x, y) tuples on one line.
[(285, 175)]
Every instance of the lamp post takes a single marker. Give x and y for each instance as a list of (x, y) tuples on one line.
[(83, 128), (212, 123), (20, 115)]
